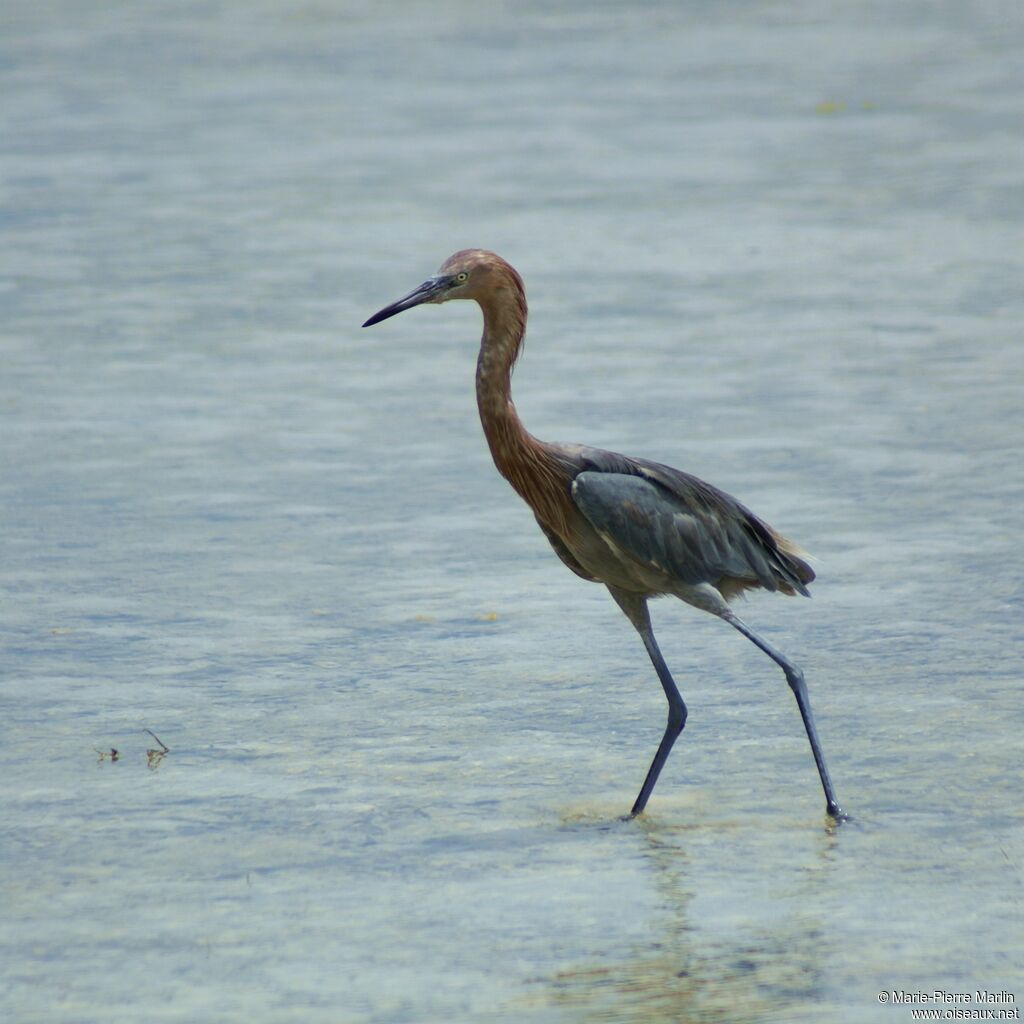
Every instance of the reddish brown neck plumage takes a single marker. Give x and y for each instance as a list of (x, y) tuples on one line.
[(519, 456)]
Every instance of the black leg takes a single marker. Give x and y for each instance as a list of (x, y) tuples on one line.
[(795, 678), (635, 608), (676, 720)]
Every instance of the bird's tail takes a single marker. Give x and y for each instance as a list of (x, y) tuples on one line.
[(796, 570)]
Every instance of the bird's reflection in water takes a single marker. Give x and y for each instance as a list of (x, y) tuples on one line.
[(698, 968)]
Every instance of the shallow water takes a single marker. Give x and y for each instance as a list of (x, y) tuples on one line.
[(779, 249)]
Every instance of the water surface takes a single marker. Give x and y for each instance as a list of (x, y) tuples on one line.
[(777, 248)]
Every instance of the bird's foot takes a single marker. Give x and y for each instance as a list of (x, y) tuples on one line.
[(837, 814)]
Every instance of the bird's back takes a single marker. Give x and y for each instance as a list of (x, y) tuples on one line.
[(665, 531)]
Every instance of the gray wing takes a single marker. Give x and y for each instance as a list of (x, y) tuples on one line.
[(683, 526)]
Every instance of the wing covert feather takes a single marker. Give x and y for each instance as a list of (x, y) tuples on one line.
[(683, 526)]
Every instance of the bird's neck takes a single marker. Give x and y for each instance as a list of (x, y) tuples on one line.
[(518, 455), (504, 312)]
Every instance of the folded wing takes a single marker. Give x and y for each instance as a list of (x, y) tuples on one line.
[(684, 527)]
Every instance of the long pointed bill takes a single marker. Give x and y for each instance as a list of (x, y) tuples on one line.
[(427, 292)]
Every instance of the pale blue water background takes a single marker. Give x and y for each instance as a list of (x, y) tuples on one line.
[(778, 245)]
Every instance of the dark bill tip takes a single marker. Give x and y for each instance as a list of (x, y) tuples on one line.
[(426, 291), (384, 314)]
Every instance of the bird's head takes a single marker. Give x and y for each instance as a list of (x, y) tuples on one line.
[(468, 274)]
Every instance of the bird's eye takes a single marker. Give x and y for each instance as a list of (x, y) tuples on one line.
[(460, 277)]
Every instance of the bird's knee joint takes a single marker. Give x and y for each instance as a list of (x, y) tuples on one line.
[(795, 678), (677, 718)]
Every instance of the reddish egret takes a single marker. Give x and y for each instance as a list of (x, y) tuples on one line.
[(642, 529)]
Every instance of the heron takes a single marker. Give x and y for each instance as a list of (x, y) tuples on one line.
[(641, 528)]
